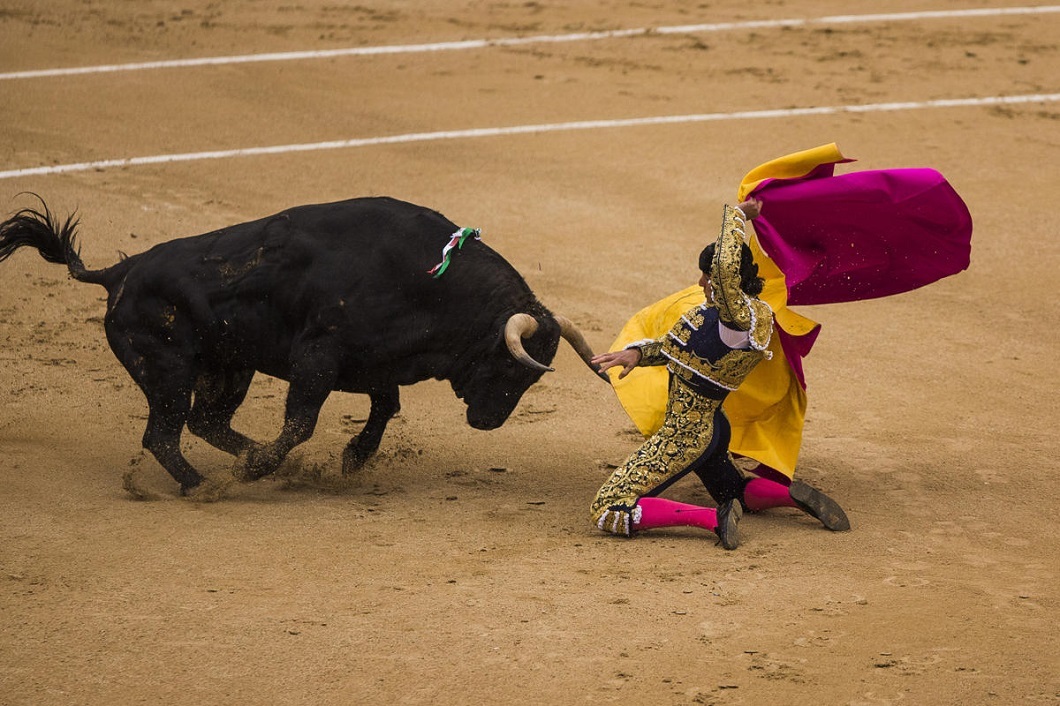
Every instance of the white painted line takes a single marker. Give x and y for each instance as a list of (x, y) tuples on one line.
[(518, 41), (528, 129)]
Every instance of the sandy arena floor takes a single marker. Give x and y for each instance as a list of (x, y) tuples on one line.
[(460, 566)]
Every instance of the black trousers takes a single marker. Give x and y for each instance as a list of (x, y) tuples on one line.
[(715, 468)]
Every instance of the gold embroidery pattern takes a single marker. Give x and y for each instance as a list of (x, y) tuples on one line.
[(731, 370), (762, 325), (680, 333), (650, 352), (685, 435), (695, 317), (734, 306)]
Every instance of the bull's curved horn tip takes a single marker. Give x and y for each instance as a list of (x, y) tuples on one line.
[(518, 327)]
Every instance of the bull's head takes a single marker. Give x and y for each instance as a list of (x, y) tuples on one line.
[(500, 378)]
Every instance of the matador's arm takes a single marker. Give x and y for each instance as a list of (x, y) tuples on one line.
[(734, 305)]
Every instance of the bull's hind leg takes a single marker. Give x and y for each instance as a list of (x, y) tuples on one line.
[(217, 397), (162, 439), (168, 400), (385, 404), (163, 371)]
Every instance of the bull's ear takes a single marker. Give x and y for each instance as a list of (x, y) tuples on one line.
[(574, 337), (518, 327)]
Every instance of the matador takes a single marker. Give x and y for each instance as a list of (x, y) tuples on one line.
[(711, 349)]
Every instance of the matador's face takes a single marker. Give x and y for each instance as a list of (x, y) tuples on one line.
[(708, 291)]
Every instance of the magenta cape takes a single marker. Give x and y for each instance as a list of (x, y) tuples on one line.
[(862, 235)]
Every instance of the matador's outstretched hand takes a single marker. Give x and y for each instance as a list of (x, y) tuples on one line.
[(627, 358)]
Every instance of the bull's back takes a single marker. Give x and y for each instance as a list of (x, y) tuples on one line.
[(251, 290), (347, 240), (346, 236)]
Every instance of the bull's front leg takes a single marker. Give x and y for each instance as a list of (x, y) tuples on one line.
[(312, 380), (385, 404)]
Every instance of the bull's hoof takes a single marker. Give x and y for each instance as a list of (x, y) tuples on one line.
[(130, 482), (353, 460), (352, 463), (240, 469), (210, 490), (254, 463)]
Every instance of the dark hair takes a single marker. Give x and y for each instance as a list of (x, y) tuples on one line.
[(750, 282)]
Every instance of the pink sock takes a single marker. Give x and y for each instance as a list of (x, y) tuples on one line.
[(659, 512), (760, 494)]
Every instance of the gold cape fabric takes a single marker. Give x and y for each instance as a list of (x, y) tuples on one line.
[(768, 410)]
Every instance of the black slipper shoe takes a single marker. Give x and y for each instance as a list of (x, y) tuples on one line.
[(728, 531), (814, 502)]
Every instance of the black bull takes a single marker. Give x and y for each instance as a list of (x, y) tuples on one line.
[(328, 297)]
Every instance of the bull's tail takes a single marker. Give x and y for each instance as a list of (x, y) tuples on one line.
[(55, 241)]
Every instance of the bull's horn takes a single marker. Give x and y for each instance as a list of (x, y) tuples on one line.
[(522, 326), (574, 337)]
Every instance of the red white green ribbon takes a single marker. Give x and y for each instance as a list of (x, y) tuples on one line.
[(455, 241)]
